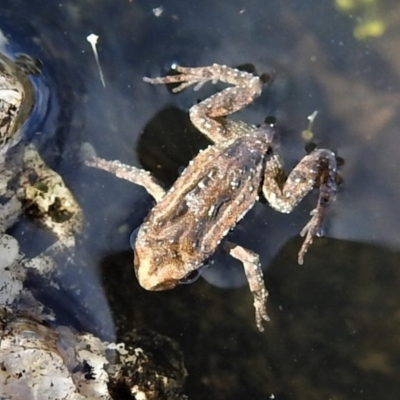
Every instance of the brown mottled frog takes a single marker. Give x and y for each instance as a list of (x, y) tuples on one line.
[(219, 186)]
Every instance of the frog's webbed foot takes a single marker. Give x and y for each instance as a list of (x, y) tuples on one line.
[(315, 227), (201, 75), (187, 77)]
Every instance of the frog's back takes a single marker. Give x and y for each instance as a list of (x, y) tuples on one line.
[(214, 192)]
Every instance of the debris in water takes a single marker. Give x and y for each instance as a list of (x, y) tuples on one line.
[(308, 133), (158, 11), (92, 39)]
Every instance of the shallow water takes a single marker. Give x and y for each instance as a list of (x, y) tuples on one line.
[(334, 321)]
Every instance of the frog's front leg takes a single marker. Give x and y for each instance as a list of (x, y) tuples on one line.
[(254, 275), (316, 169), (129, 173), (206, 115)]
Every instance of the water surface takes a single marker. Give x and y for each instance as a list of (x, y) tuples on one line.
[(334, 321)]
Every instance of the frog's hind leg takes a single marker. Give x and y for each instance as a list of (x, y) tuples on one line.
[(316, 169)]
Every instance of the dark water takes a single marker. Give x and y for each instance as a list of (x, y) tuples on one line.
[(335, 321)]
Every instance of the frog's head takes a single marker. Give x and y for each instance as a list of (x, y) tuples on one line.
[(158, 267), (151, 273)]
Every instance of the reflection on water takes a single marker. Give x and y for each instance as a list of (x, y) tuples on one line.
[(334, 321)]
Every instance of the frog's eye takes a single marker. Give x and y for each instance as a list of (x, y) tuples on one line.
[(133, 237), (191, 277)]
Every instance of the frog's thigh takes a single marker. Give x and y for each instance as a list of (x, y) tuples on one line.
[(254, 275)]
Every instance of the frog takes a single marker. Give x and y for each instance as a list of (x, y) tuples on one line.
[(220, 185)]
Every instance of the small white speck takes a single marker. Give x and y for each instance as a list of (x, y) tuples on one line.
[(211, 211), (158, 11), (312, 117)]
